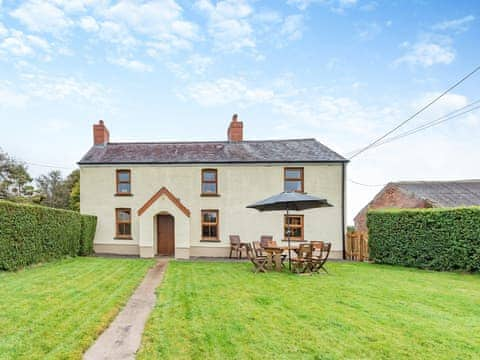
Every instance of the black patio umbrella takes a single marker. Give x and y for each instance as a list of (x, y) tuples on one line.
[(287, 201)]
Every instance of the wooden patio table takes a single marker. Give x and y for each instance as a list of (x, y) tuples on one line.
[(274, 253)]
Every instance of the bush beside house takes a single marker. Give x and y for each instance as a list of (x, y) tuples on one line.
[(30, 234), (437, 239)]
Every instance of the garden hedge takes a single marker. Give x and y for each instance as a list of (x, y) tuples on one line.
[(30, 234), (437, 239), (89, 225)]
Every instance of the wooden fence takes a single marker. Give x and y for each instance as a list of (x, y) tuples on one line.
[(356, 248)]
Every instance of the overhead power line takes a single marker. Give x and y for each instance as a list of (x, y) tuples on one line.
[(450, 116), (428, 125), (47, 165), (422, 109), (362, 184)]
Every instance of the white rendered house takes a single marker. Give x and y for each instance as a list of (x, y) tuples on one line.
[(184, 199)]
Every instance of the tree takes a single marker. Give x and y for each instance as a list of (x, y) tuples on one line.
[(14, 178), (73, 182), (75, 197), (54, 191)]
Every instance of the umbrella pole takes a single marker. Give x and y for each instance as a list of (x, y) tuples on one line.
[(288, 239)]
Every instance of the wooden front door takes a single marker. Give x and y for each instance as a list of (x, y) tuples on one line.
[(165, 235)]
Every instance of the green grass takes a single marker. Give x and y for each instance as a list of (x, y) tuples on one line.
[(224, 311), (56, 310)]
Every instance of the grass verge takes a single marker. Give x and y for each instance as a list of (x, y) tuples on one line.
[(223, 310), (56, 310)]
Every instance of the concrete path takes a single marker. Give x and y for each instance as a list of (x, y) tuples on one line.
[(121, 339)]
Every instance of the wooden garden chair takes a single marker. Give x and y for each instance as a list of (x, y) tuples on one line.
[(266, 240), (257, 248), (259, 262), (317, 248), (302, 263), (318, 262), (236, 246)]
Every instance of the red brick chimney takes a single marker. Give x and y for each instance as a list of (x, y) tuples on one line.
[(101, 136), (235, 130)]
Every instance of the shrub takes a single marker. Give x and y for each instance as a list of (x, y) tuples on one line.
[(30, 234), (89, 225), (437, 239)]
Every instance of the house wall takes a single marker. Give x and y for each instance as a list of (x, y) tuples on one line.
[(238, 186), (389, 197)]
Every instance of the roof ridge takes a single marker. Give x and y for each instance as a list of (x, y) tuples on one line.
[(206, 141), (434, 181)]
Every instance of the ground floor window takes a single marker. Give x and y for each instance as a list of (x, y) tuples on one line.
[(123, 220), (296, 227), (209, 224)]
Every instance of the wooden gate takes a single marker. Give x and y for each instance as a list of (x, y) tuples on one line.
[(356, 248)]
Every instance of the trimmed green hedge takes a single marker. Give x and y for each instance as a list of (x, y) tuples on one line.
[(89, 225), (437, 239), (30, 234)]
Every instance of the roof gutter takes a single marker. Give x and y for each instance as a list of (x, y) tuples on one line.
[(214, 162)]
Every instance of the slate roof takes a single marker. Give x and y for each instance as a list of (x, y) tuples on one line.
[(444, 193), (267, 151)]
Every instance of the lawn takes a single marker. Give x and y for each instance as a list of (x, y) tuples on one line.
[(223, 310), (56, 310)]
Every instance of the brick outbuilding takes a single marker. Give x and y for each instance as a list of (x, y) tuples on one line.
[(422, 194)]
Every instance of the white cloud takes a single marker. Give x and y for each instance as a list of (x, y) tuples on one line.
[(19, 44), (199, 63), (338, 6), (78, 6), (116, 33), (225, 91), (428, 52), (195, 65), (157, 25), (457, 25), (308, 105), (45, 87), (161, 21), (292, 27), (167, 43), (41, 16), (435, 47), (89, 24), (446, 105), (54, 88), (133, 65), (229, 24), (16, 46)]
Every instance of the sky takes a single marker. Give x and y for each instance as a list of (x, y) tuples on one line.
[(342, 71)]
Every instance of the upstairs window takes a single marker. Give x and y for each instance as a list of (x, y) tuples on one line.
[(124, 185), (293, 179), (296, 227), (210, 225), (209, 182), (123, 221)]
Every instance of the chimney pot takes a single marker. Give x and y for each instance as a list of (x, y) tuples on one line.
[(101, 135), (235, 129)]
